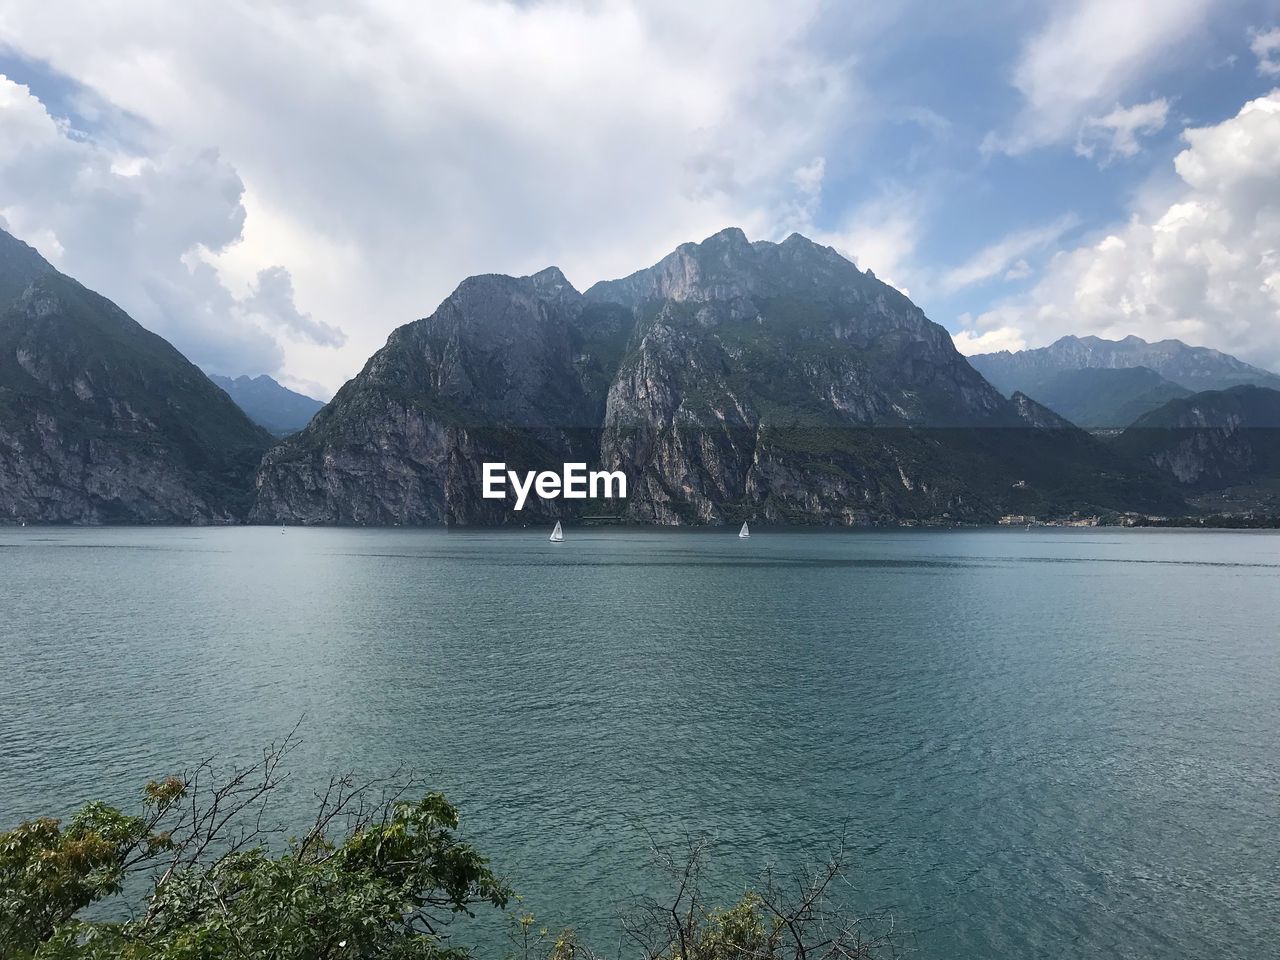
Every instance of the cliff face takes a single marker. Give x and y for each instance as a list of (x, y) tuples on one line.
[(102, 421), (507, 369), (732, 379), (778, 380)]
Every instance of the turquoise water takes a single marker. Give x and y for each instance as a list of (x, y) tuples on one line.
[(1046, 744)]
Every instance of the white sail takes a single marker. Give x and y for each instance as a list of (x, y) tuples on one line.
[(744, 532), (557, 534)]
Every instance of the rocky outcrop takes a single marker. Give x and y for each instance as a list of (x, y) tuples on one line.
[(102, 421)]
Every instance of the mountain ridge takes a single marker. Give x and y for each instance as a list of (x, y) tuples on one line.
[(269, 403), (1195, 368), (729, 379)]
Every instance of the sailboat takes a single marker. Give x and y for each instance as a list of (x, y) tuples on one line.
[(557, 535), (744, 532)]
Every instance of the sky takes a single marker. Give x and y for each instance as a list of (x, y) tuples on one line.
[(274, 187)]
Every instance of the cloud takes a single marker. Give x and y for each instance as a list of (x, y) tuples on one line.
[(1115, 134), (1089, 54), (1266, 47), (1018, 270), (881, 235), (990, 341), (1204, 268), (387, 151), (271, 301), (808, 178), (1006, 255), (138, 228)]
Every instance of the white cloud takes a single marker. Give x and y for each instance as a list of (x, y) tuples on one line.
[(1115, 134), (881, 235), (989, 341), (808, 178), (271, 299), (139, 229), (1089, 54), (1266, 47), (1018, 270), (1001, 256), (1205, 268), (389, 150)]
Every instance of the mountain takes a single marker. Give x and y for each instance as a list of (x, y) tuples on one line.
[(779, 381), (103, 421), (507, 369), (1105, 398), (1212, 440), (270, 404), (1195, 369), (731, 379), (1038, 415)]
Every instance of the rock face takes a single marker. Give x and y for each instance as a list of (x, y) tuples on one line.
[(1212, 439), (778, 380), (507, 369), (730, 380), (102, 421), (270, 404), (1195, 369)]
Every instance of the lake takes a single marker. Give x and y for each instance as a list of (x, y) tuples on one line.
[(1057, 743)]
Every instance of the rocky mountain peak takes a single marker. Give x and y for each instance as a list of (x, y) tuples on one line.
[(552, 285), (551, 281), (727, 266), (1038, 415)]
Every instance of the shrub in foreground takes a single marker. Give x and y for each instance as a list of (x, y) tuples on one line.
[(380, 873)]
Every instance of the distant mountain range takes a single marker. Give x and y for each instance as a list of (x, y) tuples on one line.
[(731, 380), (1099, 398), (269, 403), (103, 421), (1099, 383)]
